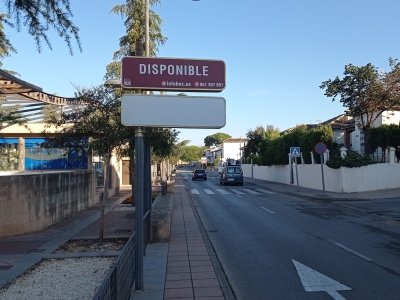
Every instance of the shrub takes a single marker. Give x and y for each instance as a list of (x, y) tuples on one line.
[(353, 159)]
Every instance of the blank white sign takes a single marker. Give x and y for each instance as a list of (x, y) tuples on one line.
[(173, 111)]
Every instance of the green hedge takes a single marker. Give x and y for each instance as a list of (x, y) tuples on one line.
[(384, 136), (275, 152)]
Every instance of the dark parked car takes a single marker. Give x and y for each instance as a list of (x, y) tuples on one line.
[(199, 174), (231, 174)]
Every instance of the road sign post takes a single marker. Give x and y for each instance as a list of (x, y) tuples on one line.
[(166, 74), (320, 148), (294, 153)]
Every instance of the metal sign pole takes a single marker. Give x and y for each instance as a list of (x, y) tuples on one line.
[(297, 174), (139, 161), (291, 170), (322, 172), (320, 148)]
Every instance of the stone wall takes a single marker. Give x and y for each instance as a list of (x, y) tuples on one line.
[(32, 201)]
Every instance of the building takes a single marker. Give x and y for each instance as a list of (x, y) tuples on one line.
[(357, 135), (21, 146), (212, 154), (233, 148)]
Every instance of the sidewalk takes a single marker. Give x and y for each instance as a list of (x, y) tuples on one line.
[(186, 267)]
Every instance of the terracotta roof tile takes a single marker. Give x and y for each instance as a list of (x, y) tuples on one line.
[(235, 140)]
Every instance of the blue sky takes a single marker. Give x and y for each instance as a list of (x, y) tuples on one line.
[(277, 53)]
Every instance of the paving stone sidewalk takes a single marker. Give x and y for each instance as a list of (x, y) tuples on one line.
[(186, 267)]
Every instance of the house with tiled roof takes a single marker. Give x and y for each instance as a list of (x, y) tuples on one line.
[(341, 136), (212, 154)]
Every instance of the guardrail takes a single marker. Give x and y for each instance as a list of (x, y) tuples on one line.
[(120, 278)]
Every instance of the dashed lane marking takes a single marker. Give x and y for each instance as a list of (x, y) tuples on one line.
[(270, 211), (352, 251)]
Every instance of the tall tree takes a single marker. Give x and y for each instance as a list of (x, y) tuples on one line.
[(39, 16), (6, 48), (192, 153), (256, 136), (177, 151), (133, 12), (99, 118), (215, 139), (365, 92)]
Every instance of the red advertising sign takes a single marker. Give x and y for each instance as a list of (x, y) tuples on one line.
[(173, 74)]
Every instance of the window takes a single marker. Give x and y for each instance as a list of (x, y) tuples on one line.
[(234, 170)]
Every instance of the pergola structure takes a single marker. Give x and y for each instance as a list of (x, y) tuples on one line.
[(31, 105), (29, 100)]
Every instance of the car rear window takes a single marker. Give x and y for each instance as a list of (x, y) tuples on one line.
[(234, 170), (200, 171)]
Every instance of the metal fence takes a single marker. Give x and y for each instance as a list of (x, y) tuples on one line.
[(379, 155), (120, 278)]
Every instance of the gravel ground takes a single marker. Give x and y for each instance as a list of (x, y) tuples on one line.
[(91, 246), (65, 279), (69, 279)]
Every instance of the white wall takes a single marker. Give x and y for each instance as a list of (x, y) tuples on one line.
[(338, 137), (279, 173), (390, 117), (343, 180), (355, 140)]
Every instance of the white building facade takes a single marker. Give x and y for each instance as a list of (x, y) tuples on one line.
[(386, 118), (232, 148)]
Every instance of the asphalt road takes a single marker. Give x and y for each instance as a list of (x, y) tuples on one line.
[(273, 246)]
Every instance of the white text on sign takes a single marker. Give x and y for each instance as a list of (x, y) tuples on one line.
[(183, 70)]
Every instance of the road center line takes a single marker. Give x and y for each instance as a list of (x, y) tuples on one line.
[(352, 251), (270, 211)]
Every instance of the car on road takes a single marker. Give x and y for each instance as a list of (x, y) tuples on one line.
[(199, 174), (231, 175)]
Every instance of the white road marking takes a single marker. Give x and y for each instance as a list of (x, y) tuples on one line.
[(314, 281), (208, 191), (195, 191), (251, 191), (222, 191), (237, 192), (265, 191), (270, 211), (352, 251)]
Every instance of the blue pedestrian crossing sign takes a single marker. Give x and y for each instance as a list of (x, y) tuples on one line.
[(295, 151)]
